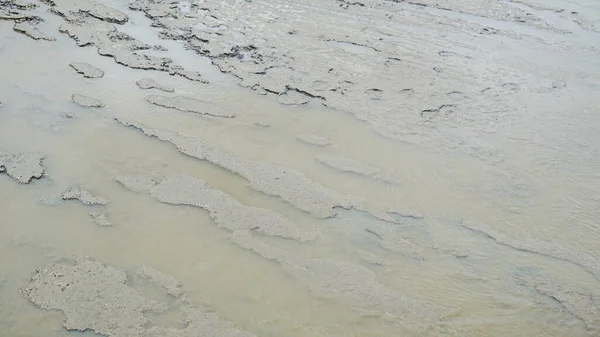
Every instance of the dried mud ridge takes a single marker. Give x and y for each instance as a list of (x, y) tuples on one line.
[(96, 297)]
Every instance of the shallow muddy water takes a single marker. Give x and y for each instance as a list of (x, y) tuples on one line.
[(315, 168)]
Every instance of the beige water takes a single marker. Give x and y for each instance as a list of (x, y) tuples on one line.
[(540, 199)]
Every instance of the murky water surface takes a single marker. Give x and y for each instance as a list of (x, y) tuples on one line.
[(438, 243)]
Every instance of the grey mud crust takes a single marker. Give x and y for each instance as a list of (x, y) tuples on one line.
[(87, 70), (86, 101), (84, 196), (96, 297), (23, 167), (92, 23), (148, 83)]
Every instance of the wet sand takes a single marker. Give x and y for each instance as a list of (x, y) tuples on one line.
[(299, 168)]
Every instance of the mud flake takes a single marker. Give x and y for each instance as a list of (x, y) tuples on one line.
[(23, 167), (87, 70), (148, 83), (84, 196), (87, 102)]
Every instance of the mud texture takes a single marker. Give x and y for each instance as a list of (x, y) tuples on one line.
[(87, 102), (288, 184), (167, 282), (313, 139), (187, 104), (369, 61), (148, 83), (228, 213), (95, 297), (87, 70), (22, 167), (91, 23), (92, 296), (101, 219), (24, 22), (84, 196)]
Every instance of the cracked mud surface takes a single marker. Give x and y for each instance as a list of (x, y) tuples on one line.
[(299, 168)]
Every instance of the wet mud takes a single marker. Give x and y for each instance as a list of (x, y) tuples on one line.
[(299, 168)]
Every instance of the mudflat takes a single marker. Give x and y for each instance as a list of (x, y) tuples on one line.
[(299, 168)]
